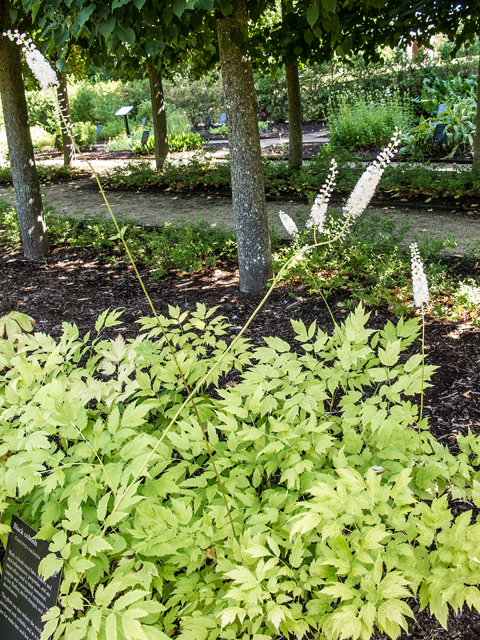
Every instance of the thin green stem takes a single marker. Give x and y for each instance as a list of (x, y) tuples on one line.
[(421, 409)]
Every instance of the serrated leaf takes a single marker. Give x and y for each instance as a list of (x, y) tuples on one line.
[(49, 566), (74, 517), (97, 545), (373, 537), (275, 614), (351, 479), (131, 626), (305, 523), (228, 615), (257, 551), (243, 577), (102, 507), (339, 590), (111, 627), (129, 598)]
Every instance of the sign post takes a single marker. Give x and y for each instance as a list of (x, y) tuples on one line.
[(123, 112), (24, 596)]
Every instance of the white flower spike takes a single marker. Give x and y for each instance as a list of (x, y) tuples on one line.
[(419, 279), (368, 182), (319, 209), (39, 65), (288, 223)]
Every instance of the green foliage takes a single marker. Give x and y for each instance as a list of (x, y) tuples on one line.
[(46, 173), (180, 138), (459, 130), (184, 142), (367, 120), (146, 149), (321, 83), (200, 99), (14, 323), (446, 48), (221, 130), (460, 98), (84, 134), (177, 122), (112, 129), (202, 170), (171, 248), (42, 110), (317, 456), (467, 298), (449, 92), (372, 266), (98, 102)]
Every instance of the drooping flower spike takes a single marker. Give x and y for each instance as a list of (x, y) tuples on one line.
[(39, 65), (419, 279), (318, 214), (288, 223)]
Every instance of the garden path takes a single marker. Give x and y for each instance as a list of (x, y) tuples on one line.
[(81, 198)]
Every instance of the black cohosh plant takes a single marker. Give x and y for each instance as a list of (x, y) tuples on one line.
[(290, 504)]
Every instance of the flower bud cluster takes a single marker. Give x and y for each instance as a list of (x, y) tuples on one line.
[(39, 65), (319, 209), (419, 279)]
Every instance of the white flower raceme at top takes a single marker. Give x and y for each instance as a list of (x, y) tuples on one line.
[(368, 182), (319, 209), (419, 279), (39, 65), (288, 223)]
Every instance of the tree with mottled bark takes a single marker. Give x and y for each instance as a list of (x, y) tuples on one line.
[(65, 120), (295, 138), (159, 116), (248, 188), (26, 185)]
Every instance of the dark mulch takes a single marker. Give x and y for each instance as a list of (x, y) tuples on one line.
[(76, 285)]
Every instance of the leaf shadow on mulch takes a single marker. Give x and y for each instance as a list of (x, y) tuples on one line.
[(77, 285)]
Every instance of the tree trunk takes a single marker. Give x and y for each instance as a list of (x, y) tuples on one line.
[(295, 142), (65, 121), (28, 198), (476, 148), (159, 115), (248, 187)]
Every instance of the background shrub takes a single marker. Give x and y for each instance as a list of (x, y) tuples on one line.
[(367, 120)]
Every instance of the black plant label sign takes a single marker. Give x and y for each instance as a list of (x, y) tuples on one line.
[(24, 596), (439, 135)]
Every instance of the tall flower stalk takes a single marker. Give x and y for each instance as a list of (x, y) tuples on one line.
[(421, 299)]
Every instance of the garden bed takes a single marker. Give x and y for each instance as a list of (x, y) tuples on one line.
[(76, 285)]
